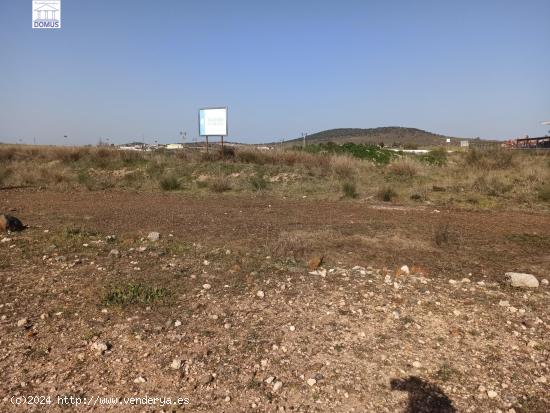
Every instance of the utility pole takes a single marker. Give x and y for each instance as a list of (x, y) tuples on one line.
[(304, 136)]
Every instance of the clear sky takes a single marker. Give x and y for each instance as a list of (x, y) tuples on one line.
[(141, 69)]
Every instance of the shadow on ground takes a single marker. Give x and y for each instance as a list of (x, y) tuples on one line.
[(423, 396)]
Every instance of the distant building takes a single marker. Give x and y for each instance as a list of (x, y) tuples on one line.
[(464, 144), (174, 146)]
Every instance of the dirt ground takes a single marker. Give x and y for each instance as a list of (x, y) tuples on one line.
[(234, 321)]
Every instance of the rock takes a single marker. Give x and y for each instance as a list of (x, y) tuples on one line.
[(206, 379), (405, 270), (176, 364), (314, 262), (417, 364), (177, 323), (492, 394), (522, 280), (153, 236), (139, 380), (206, 286), (277, 386), (114, 253), (311, 382), (22, 322), (504, 303), (544, 281), (292, 328), (99, 347), (260, 294), (269, 380)]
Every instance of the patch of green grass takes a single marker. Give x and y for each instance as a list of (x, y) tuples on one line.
[(134, 293)]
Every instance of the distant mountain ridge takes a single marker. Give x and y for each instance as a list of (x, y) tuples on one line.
[(388, 135)]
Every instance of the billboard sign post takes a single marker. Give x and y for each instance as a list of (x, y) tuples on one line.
[(213, 122)]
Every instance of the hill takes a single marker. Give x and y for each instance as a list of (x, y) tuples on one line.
[(389, 135)]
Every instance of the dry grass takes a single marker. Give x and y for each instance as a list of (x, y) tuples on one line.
[(472, 179), (403, 168)]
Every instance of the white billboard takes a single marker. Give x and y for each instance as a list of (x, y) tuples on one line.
[(213, 122)]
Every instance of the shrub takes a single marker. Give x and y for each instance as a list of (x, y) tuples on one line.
[(5, 172), (220, 184), (544, 193), (343, 166), (492, 159), (491, 186), (349, 189), (170, 183), (386, 194), (437, 157), (258, 182), (403, 168)]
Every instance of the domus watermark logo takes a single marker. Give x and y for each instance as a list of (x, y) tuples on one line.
[(46, 14)]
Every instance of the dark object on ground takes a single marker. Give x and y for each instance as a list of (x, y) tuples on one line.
[(423, 396), (10, 223)]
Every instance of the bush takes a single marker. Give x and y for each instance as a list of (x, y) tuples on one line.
[(437, 157), (492, 159), (220, 184), (544, 193), (170, 183), (258, 182), (386, 194), (344, 166), (349, 190), (403, 168), (491, 186)]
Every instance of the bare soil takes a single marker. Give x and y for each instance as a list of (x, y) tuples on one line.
[(449, 336)]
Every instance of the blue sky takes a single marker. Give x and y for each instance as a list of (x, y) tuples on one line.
[(141, 69)]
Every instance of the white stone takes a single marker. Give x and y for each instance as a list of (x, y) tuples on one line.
[(492, 394), (176, 364), (405, 269), (153, 236), (260, 294), (206, 286), (522, 280), (139, 380), (311, 382), (277, 386), (99, 347)]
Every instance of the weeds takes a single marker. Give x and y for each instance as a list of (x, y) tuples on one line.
[(441, 235), (349, 190), (258, 182), (386, 194), (134, 293), (403, 169), (219, 184), (170, 183)]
